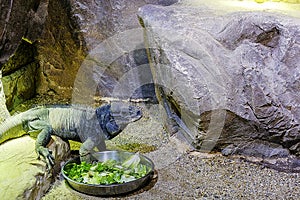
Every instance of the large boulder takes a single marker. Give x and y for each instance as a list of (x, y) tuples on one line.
[(23, 176), (230, 73)]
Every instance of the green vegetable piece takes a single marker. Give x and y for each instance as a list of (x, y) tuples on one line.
[(127, 178), (141, 170), (132, 161), (107, 172)]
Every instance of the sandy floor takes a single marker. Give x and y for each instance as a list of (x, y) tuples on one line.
[(184, 174)]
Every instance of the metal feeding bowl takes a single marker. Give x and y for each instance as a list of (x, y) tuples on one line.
[(111, 189)]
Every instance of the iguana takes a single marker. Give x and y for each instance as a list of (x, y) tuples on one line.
[(79, 123)]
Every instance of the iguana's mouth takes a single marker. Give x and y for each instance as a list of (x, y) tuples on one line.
[(113, 119), (110, 136)]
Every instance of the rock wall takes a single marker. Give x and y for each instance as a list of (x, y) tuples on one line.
[(60, 34), (114, 39), (232, 76), (21, 24), (18, 19), (20, 75), (102, 19), (3, 109), (60, 51), (38, 49)]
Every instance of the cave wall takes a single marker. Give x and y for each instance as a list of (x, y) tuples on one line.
[(60, 51), (40, 50), (43, 44), (21, 24), (115, 43), (17, 19)]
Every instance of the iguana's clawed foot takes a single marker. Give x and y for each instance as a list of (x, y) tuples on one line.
[(85, 157), (47, 155)]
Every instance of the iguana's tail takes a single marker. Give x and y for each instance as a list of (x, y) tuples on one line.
[(11, 128)]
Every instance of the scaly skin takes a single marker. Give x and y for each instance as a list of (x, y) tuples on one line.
[(88, 125)]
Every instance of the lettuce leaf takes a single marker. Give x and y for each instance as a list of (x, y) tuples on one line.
[(132, 162), (107, 172)]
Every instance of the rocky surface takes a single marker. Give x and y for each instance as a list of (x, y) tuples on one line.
[(60, 50), (18, 19), (232, 76), (23, 176), (20, 75), (51, 39), (116, 52), (37, 49), (103, 19), (20, 26)]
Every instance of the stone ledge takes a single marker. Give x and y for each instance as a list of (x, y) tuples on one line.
[(22, 175)]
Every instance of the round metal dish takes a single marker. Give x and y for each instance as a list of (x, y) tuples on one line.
[(112, 189)]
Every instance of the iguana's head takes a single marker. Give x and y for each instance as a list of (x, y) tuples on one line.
[(114, 117)]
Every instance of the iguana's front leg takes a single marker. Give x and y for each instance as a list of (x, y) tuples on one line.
[(87, 148), (42, 140)]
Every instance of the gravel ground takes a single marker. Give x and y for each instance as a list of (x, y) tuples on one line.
[(195, 176), (184, 174)]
